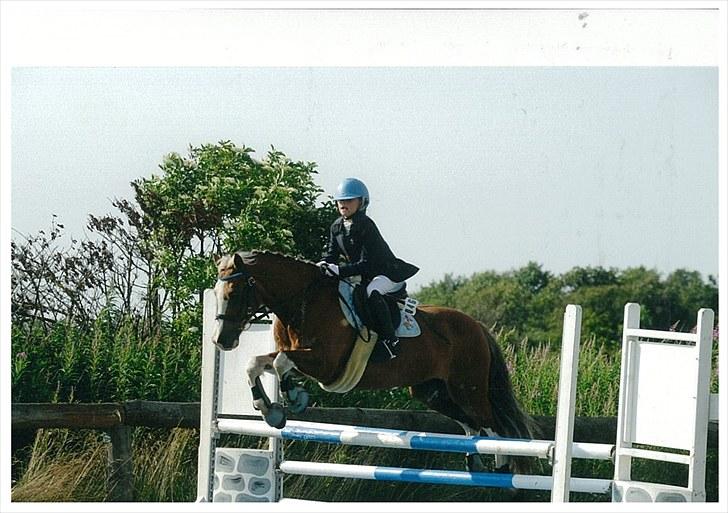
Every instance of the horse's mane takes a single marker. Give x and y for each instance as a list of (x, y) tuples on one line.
[(251, 257)]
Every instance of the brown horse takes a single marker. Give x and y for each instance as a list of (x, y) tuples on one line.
[(454, 366)]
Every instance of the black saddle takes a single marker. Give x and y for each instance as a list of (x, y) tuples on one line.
[(362, 309)]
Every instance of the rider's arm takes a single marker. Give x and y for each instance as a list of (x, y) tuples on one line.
[(373, 248), (332, 249)]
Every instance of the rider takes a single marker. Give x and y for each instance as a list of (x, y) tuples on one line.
[(355, 237)]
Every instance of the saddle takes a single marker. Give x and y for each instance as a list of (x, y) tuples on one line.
[(402, 309)]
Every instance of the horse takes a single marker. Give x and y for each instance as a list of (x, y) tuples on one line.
[(454, 366)]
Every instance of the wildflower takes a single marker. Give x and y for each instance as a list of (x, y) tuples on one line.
[(22, 356)]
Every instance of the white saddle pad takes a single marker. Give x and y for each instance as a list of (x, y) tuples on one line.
[(407, 328)]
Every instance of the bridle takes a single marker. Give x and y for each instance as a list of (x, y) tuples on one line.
[(247, 295), (252, 314)]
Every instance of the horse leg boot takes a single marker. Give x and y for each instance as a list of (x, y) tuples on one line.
[(297, 398), (382, 319), (273, 413)]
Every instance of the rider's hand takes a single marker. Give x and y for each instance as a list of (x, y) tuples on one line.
[(329, 269)]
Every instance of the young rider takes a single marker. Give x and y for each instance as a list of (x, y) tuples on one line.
[(356, 238)]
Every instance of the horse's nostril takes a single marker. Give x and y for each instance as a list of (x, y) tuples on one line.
[(226, 340)]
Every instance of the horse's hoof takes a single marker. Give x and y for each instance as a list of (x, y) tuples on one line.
[(276, 416), (300, 402), (474, 463), (504, 469)]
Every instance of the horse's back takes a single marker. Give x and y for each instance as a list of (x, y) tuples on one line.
[(442, 319)]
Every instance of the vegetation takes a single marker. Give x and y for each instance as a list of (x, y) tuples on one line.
[(117, 317), (150, 263), (69, 466), (531, 300)]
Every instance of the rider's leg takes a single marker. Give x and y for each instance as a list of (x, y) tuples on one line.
[(379, 310), (383, 285)]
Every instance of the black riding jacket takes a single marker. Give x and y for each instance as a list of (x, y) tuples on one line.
[(365, 251)]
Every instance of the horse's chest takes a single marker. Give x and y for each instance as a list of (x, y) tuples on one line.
[(297, 341)]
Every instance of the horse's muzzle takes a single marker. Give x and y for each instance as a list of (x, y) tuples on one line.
[(226, 339)]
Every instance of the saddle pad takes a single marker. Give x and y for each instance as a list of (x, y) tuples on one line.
[(407, 328)]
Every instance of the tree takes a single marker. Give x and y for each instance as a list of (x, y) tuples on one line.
[(219, 199), (51, 282)]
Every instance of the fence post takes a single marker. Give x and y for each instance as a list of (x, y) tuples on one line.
[(120, 484), (564, 436)]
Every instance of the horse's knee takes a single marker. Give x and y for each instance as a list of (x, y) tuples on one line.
[(282, 365), (257, 365)]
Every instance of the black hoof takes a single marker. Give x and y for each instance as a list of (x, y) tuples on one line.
[(276, 416), (474, 463), (504, 469)]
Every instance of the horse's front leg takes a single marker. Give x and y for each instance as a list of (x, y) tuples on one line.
[(273, 413), (297, 398)]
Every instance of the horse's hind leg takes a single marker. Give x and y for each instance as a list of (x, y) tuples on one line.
[(502, 461), (434, 393)]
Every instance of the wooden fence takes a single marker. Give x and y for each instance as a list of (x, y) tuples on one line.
[(118, 419)]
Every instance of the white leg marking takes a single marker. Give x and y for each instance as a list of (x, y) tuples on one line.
[(257, 365), (282, 364)]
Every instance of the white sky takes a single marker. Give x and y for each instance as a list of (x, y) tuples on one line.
[(469, 168)]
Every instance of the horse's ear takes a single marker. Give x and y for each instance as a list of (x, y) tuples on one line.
[(238, 261)]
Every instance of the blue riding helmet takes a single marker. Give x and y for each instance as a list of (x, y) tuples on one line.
[(353, 188)]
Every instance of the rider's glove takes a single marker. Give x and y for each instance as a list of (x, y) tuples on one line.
[(329, 269)]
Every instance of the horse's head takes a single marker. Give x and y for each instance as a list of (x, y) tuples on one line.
[(237, 301), (250, 280)]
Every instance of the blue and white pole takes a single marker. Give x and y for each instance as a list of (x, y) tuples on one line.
[(448, 477), (397, 439)]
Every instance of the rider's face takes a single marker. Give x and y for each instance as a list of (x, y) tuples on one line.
[(348, 207)]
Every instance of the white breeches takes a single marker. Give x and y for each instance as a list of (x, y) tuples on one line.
[(383, 285)]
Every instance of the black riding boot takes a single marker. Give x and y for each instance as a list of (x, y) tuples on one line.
[(383, 321)]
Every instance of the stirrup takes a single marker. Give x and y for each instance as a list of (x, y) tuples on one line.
[(393, 349)]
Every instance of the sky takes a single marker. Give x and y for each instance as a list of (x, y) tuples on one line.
[(469, 168)]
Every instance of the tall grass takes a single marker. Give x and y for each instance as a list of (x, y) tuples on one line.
[(63, 466), (71, 466), (110, 362)]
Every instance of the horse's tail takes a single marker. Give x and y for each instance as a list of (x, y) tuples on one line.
[(509, 418)]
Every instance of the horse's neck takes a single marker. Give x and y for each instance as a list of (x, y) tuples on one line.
[(289, 296)]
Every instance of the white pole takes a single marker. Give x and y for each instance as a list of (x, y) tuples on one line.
[(456, 477), (208, 397), (698, 453), (564, 436)]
